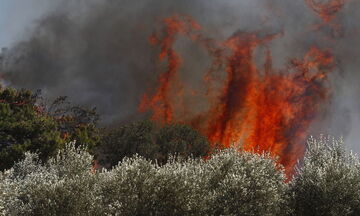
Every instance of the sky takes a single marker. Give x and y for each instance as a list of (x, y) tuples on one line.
[(4, 15), (17, 17)]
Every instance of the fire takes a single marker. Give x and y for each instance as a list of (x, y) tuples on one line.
[(160, 102), (253, 108), (327, 10), (284, 106)]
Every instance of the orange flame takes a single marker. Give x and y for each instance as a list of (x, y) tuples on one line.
[(326, 10), (160, 102), (258, 109)]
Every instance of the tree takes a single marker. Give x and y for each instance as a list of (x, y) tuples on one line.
[(64, 185), (27, 125), (75, 122), (243, 183), (151, 141), (229, 183), (328, 183), (181, 140)]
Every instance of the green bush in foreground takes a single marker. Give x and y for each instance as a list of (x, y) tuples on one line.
[(328, 183), (230, 183)]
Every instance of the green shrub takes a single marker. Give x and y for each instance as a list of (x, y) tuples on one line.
[(148, 140), (181, 140), (23, 128), (28, 125), (328, 182)]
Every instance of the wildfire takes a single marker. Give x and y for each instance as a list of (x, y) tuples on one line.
[(160, 102), (252, 108), (326, 10)]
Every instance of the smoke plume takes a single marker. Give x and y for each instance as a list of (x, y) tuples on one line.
[(98, 52)]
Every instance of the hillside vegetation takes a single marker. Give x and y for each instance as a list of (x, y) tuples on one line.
[(50, 156), (229, 183)]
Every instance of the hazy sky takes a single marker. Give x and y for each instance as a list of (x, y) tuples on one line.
[(16, 16), (4, 8)]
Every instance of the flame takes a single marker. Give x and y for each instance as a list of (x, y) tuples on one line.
[(327, 10), (284, 105), (160, 102), (257, 108)]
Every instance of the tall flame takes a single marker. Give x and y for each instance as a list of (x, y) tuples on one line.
[(160, 102), (257, 108)]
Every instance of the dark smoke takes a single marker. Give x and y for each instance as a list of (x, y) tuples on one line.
[(97, 52)]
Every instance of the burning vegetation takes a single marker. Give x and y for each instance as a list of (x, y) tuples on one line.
[(242, 100), (254, 108), (221, 131)]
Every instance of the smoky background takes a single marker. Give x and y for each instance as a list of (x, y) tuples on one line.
[(97, 51)]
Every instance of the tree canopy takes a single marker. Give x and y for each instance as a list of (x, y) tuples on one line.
[(151, 141), (28, 124)]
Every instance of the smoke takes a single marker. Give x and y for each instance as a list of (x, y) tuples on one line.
[(98, 54)]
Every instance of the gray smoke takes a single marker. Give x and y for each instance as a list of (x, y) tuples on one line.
[(97, 52)]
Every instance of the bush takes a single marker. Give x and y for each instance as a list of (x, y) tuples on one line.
[(328, 183), (24, 128), (181, 140), (75, 122), (148, 140), (230, 183), (63, 186), (243, 183), (28, 125), (138, 187)]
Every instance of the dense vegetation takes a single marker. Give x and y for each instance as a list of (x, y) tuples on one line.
[(328, 183), (147, 139), (229, 183), (28, 124), (154, 170)]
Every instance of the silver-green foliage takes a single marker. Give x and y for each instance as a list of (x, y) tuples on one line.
[(62, 186), (243, 183), (229, 183), (328, 182)]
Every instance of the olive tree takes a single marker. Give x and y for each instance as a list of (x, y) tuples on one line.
[(328, 181)]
